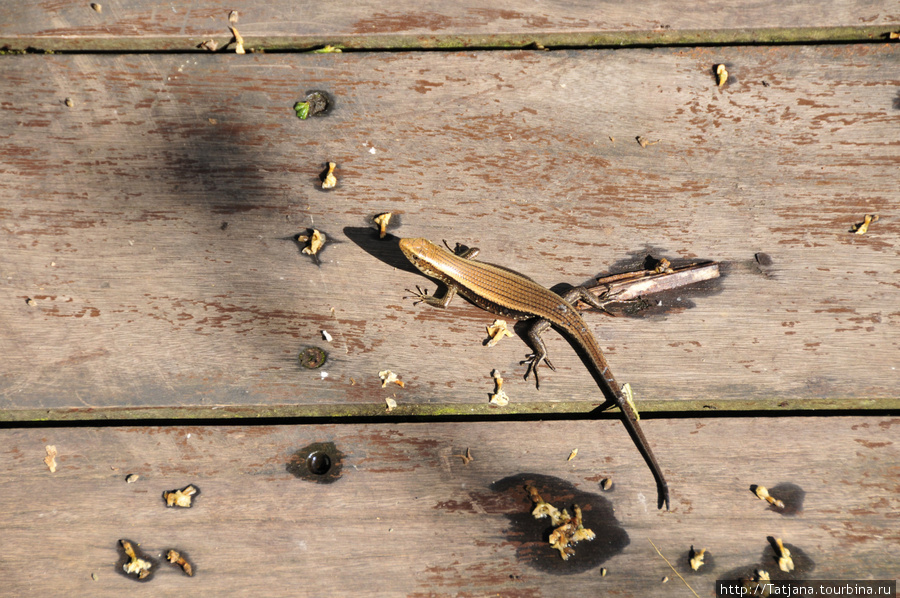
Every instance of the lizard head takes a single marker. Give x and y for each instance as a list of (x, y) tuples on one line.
[(421, 253)]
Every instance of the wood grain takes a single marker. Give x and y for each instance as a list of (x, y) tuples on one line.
[(408, 518), (113, 218), (129, 25)]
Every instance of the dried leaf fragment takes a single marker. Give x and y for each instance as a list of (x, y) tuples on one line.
[(568, 530), (391, 404), (233, 17), (496, 332), (499, 396), (180, 498), (315, 241), (663, 267), (785, 562), (629, 398), (238, 41), (752, 587), (568, 534), (862, 228), (763, 493), (382, 221), (573, 454), (467, 458), (721, 74), (330, 181), (541, 508), (389, 377), (696, 557), (645, 142), (210, 45), (176, 559), (136, 566), (50, 459), (894, 35)]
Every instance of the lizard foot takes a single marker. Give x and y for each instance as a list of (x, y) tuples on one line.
[(534, 360)]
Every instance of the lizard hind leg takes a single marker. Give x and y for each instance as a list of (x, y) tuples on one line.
[(540, 350), (599, 302)]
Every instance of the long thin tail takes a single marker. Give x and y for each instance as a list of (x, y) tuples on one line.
[(599, 369), (629, 418)]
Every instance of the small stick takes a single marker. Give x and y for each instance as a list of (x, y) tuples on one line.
[(673, 568), (630, 285)]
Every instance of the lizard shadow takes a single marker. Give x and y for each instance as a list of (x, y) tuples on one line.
[(385, 249)]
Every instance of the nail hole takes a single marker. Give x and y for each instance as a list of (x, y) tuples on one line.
[(312, 358), (318, 463)]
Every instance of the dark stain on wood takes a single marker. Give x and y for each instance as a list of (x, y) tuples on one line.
[(791, 495), (530, 535)]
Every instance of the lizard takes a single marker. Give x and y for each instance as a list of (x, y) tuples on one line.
[(505, 292)]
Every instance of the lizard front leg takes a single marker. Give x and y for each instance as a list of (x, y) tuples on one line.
[(422, 296)]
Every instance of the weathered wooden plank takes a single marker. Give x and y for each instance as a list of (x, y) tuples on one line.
[(145, 25), (407, 517), (114, 216)]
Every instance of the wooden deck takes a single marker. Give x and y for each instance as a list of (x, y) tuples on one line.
[(151, 195), (406, 516)]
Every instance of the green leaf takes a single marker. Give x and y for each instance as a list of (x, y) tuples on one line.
[(302, 109)]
